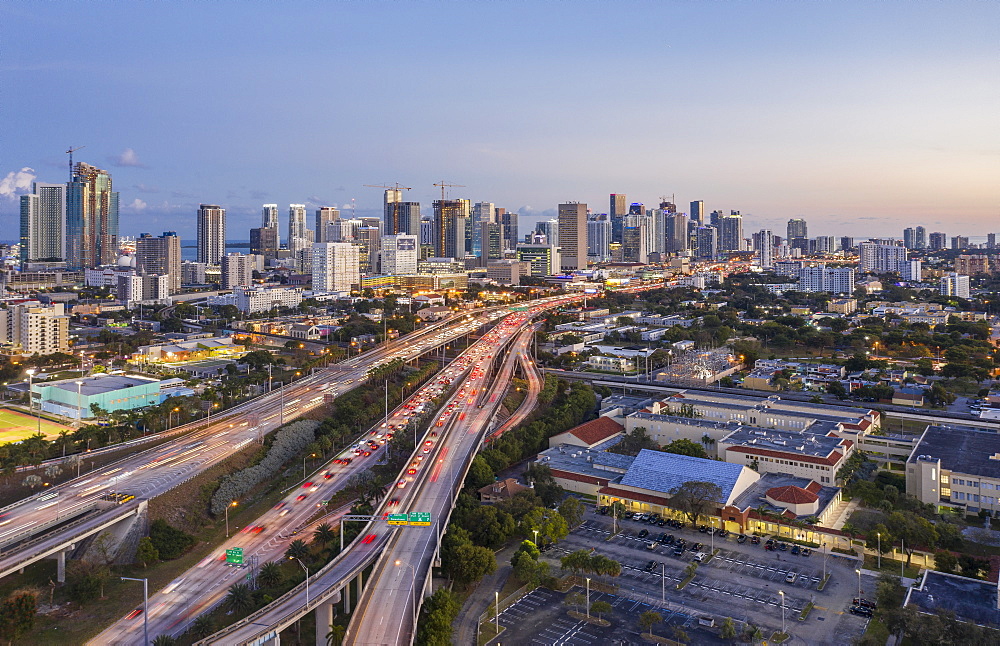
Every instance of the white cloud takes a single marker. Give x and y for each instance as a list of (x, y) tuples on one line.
[(127, 158), (136, 205), (17, 182)]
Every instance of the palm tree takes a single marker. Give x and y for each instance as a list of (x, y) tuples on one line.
[(324, 534), (203, 626), (269, 574), (164, 640), (239, 599), (297, 549)]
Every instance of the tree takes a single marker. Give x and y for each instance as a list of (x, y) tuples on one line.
[(914, 530), (600, 608), (269, 574), (576, 562), (728, 629), (164, 640), (572, 510), (684, 446), (837, 389), (529, 548), (202, 626), (474, 562), (972, 566), (17, 615), (575, 600), (680, 635), (480, 474), (649, 619), (945, 561), (695, 498), (336, 635), (528, 570), (239, 599), (297, 549), (324, 534), (32, 481), (146, 553), (880, 536), (551, 525)]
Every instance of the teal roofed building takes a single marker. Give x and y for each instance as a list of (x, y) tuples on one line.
[(73, 398)]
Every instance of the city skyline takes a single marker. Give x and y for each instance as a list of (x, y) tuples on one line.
[(840, 114)]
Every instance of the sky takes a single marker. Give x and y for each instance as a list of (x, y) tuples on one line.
[(862, 117)]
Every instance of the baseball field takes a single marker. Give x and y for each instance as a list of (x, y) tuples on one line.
[(16, 426)]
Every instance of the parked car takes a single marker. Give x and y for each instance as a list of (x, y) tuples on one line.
[(742, 538), (755, 540), (643, 533), (790, 577)]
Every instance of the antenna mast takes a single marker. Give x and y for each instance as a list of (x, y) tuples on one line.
[(70, 153)]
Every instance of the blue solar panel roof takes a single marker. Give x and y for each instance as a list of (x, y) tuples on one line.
[(659, 471)]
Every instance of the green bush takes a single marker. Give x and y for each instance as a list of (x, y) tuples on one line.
[(169, 542)]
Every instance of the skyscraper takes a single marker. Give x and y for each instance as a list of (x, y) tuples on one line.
[(599, 238), (409, 217), (731, 233), (269, 218), (325, 215), (920, 238), (881, 258), (698, 212), (335, 266), (43, 223), (937, 241), (390, 211), (160, 255), (298, 237), (573, 235), (508, 222), (549, 229), (264, 242), (797, 228), (399, 254), (763, 244), (483, 213), (211, 233), (617, 212), (635, 239), (91, 218), (707, 242), (677, 233), (450, 219)]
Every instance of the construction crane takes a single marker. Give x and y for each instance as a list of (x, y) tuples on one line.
[(443, 185), (397, 187), (392, 220), (70, 153)]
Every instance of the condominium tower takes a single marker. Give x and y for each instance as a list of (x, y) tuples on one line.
[(211, 233)]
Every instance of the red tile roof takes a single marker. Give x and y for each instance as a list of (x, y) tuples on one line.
[(814, 487), (596, 430), (792, 495), (830, 460)]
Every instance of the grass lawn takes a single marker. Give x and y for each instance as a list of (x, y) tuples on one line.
[(16, 426), (892, 566)]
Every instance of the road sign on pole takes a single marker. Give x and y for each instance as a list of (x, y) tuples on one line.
[(421, 518), (234, 556), (397, 519)]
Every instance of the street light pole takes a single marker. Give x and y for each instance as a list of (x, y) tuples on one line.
[(307, 577), (782, 593), (588, 598), (859, 582), (145, 607), (663, 582), (79, 402), (878, 535), (232, 504)]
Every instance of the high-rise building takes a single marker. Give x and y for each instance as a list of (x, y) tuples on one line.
[(483, 213), (954, 284), (369, 241), (298, 230), (426, 231), (492, 234), (658, 231), (409, 217), (390, 211), (264, 242), (325, 215), (549, 229), (211, 233), (544, 258), (707, 243), (937, 241), (910, 238), (677, 233), (635, 239), (599, 238), (43, 223), (572, 236), (825, 244), (617, 211), (399, 254), (698, 212), (881, 258), (819, 278), (269, 216), (731, 233), (637, 208), (763, 245), (970, 265), (508, 222), (959, 242), (451, 217), (715, 219), (911, 270), (797, 228), (846, 243), (335, 266), (35, 329), (991, 241), (91, 218), (238, 268), (160, 255)]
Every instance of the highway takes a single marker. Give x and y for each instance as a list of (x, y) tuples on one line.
[(155, 471), (427, 485)]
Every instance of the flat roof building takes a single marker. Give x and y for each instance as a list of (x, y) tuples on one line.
[(74, 397)]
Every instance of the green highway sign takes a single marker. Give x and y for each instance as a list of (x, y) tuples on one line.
[(420, 518), (397, 519), (234, 556), (519, 309)]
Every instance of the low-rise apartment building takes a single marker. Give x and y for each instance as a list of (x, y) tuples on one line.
[(956, 467)]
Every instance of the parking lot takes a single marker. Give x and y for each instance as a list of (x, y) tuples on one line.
[(540, 618), (741, 581)]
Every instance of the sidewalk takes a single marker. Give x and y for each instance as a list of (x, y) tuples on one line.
[(483, 597)]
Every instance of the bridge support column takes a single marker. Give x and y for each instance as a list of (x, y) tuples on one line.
[(361, 578), (324, 618), (347, 598), (60, 566)]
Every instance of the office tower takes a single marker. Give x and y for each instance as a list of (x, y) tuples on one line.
[(991, 241), (544, 258), (193, 273), (599, 238), (369, 239), (91, 218), (881, 258), (451, 217), (824, 244), (920, 238), (390, 211), (325, 215), (572, 235), (954, 284), (211, 233), (483, 213), (731, 233), (160, 255), (264, 242), (970, 265), (637, 208), (399, 255), (797, 228), (846, 243), (492, 234), (335, 266), (959, 242), (35, 329), (697, 214), (763, 245), (426, 231), (707, 243), (715, 219), (508, 222), (911, 270), (937, 241), (910, 238), (618, 209), (677, 233), (43, 223), (269, 219), (658, 231), (238, 268), (409, 217), (549, 229), (668, 207), (635, 239), (342, 230), (297, 228)]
